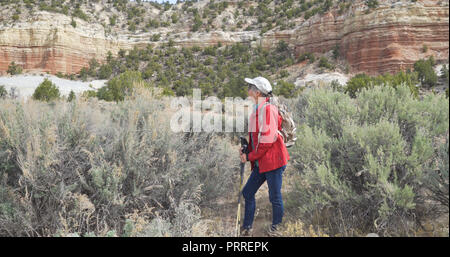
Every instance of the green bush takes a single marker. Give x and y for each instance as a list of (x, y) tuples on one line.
[(132, 26), (323, 63), (119, 87), (92, 168), (372, 3), (336, 52), (105, 71), (46, 91), (309, 56), (14, 69), (444, 74), (425, 71), (3, 92), (84, 72), (362, 81), (80, 14), (362, 163), (197, 23), (437, 180), (112, 20), (155, 37), (73, 23), (285, 89), (71, 96), (282, 46), (93, 65), (174, 18), (357, 83)]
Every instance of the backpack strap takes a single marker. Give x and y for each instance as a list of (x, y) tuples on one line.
[(260, 123)]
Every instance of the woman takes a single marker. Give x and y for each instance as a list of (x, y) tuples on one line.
[(267, 153)]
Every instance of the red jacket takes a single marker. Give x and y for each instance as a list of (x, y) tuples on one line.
[(270, 155)]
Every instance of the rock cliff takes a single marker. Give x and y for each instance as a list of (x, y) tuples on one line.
[(48, 43), (388, 38)]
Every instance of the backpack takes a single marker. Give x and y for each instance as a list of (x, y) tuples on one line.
[(288, 128)]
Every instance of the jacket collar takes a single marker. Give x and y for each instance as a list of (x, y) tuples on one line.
[(261, 104)]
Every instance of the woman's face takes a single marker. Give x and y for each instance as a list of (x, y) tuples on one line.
[(254, 93)]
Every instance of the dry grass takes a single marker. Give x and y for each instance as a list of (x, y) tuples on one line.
[(94, 168)]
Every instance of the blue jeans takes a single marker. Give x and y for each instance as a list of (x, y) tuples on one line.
[(254, 182)]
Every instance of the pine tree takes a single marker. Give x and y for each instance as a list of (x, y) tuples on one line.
[(46, 91)]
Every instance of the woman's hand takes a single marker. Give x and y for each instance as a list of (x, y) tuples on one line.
[(243, 156)]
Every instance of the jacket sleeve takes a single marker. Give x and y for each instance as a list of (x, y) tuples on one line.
[(258, 153), (262, 149)]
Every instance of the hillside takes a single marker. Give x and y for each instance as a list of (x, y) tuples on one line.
[(89, 101), (368, 36)]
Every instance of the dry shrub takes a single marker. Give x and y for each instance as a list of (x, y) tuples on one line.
[(370, 164), (299, 229), (92, 168)]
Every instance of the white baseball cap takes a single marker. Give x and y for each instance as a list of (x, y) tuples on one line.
[(261, 83)]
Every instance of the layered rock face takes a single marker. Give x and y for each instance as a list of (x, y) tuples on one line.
[(386, 39), (49, 43)]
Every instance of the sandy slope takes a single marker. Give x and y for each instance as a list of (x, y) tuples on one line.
[(26, 84)]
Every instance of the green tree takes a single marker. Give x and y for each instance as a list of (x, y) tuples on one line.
[(156, 37), (14, 69), (323, 62), (80, 14), (3, 92), (282, 46), (71, 96), (444, 74), (285, 89), (309, 56), (93, 65), (73, 23), (119, 87), (336, 51), (112, 20), (174, 18), (105, 71), (372, 3), (84, 73), (425, 71), (46, 91), (197, 22), (357, 83), (360, 81)]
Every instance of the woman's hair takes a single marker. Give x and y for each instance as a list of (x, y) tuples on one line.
[(269, 95)]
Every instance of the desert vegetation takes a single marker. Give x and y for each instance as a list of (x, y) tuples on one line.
[(371, 155), (89, 168), (217, 70), (14, 69), (370, 163), (144, 16), (375, 162)]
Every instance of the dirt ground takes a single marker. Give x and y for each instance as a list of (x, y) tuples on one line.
[(225, 213)]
